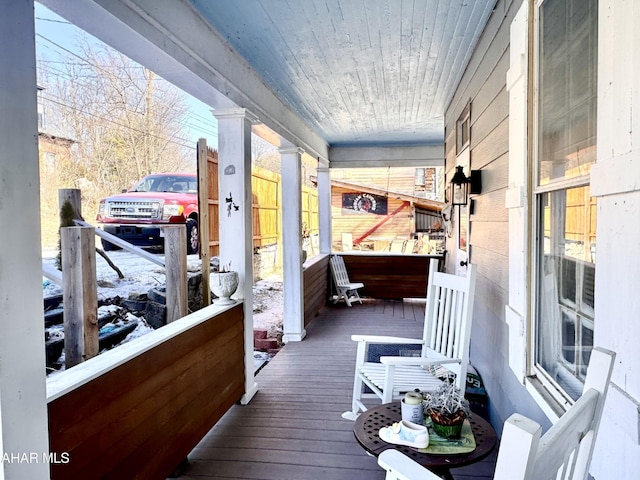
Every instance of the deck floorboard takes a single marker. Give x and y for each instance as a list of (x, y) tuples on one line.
[(292, 428)]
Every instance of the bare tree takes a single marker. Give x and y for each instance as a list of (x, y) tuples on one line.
[(126, 121)]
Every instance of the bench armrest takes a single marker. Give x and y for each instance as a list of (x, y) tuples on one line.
[(403, 467), (385, 339), (420, 361)]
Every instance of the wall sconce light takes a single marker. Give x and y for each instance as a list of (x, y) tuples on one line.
[(459, 188), (462, 186)]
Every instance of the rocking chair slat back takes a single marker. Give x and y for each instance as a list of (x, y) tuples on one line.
[(445, 345), (449, 308), (565, 450)]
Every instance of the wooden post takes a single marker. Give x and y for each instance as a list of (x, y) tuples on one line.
[(73, 195), (203, 217), (175, 253), (80, 294)]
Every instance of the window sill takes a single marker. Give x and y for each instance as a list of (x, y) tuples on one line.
[(551, 407)]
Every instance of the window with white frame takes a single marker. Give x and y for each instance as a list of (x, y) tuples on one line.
[(463, 129), (565, 149)]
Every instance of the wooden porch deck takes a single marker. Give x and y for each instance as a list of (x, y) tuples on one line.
[(292, 429)]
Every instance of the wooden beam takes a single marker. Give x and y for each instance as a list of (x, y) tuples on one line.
[(74, 197), (396, 156), (203, 220), (79, 294), (175, 257), (123, 243), (52, 273)]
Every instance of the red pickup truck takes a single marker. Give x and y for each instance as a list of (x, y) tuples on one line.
[(159, 199)]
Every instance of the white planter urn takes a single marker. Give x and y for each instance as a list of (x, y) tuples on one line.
[(223, 285)]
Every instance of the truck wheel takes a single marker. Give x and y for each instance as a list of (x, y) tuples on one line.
[(108, 246), (192, 236)]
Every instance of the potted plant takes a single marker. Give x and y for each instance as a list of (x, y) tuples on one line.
[(448, 409), (224, 283)]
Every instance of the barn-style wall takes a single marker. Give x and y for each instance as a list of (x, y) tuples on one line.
[(398, 222), (399, 179)]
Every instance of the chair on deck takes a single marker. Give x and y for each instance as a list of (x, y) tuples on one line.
[(564, 452), (398, 245), (444, 345), (346, 289), (347, 242)]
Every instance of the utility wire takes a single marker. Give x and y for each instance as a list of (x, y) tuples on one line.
[(212, 126), (72, 53), (53, 21), (164, 138)]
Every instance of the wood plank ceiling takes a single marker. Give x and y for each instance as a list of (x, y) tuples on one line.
[(359, 72)]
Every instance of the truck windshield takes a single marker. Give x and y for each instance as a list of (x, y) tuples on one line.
[(167, 183)]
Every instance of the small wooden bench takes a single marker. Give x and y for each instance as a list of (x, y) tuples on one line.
[(346, 290)]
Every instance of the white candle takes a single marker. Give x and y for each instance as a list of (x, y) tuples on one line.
[(412, 398)]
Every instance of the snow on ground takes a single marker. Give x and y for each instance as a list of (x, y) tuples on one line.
[(268, 306), (141, 275)]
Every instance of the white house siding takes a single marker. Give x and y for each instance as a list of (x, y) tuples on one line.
[(484, 86), (615, 181)]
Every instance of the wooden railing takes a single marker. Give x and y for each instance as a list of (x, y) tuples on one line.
[(388, 275), (79, 283), (138, 410), (316, 285)]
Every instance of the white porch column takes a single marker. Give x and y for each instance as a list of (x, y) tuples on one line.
[(235, 213), (23, 405), (324, 209), (291, 244)]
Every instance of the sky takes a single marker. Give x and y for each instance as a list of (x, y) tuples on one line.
[(55, 36)]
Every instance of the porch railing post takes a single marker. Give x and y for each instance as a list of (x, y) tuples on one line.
[(175, 249), (79, 294)]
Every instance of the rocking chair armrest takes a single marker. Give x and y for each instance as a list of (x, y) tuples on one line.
[(403, 467), (418, 361), (385, 339)]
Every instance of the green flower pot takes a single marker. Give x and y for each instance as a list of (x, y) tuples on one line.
[(447, 431), (447, 426)]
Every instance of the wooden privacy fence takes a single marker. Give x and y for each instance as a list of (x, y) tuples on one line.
[(266, 208)]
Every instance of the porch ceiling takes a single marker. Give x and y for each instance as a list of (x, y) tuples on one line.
[(358, 72), (324, 75)]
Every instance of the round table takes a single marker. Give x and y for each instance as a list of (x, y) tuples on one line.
[(369, 423)]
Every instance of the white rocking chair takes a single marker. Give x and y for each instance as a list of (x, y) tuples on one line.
[(445, 345), (564, 452), (347, 290)]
